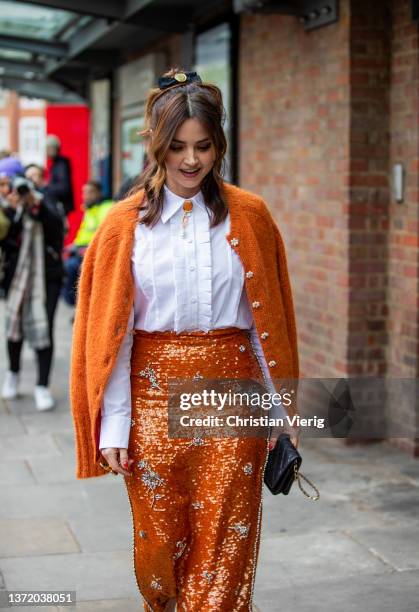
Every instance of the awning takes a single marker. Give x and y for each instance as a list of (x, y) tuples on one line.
[(53, 48)]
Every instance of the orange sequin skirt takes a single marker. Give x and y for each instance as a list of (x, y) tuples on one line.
[(196, 503)]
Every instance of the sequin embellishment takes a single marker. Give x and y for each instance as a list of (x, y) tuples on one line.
[(151, 480), (197, 376), (242, 348), (248, 469), (150, 373), (198, 505), (209, 576), (234, 241), (142, 534), (155, 584), (180, 545), (196, 442), (241, 529)]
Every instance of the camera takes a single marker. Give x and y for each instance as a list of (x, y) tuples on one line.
[(24, 187)]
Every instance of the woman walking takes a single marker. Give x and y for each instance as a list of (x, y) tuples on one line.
[(186, 278)]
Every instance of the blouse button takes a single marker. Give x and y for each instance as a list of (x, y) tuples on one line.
[(191, 268), (255, 304), (272, 364), (249, 274), (264, 335)]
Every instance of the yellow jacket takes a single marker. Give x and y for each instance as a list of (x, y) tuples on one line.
[(92, 218)]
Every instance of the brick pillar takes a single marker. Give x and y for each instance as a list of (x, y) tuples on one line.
[(369, 187), (13, 107)]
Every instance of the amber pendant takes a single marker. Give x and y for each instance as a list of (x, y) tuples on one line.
[(187, 211)]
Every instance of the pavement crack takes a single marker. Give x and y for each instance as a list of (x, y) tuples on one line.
[(372, 551)]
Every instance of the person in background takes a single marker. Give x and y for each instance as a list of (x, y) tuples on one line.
[(36, 174), (5, 190), (4, 229), (4, 225), (95, 210), (59, 174), (9, 167), (31, 282)]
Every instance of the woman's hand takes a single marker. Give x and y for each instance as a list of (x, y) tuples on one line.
[(295, 438), (118, 460), (294, 433)]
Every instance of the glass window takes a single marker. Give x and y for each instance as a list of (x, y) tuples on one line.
[(4, 95), (31, 103), (32, 140), (212, 62), (32, 21), (100, 158), (132, 158)]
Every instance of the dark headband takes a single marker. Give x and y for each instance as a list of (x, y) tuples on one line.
[(180, 78)]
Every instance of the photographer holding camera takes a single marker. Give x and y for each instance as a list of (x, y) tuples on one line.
[(32, 278)]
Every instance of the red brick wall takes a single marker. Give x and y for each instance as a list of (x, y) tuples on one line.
[(403, 270), (323, 117), (294, 151)]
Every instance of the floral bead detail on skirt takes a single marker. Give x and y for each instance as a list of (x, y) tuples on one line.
[(196, 502)]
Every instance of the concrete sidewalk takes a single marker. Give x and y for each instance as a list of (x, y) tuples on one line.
[(355, 549)]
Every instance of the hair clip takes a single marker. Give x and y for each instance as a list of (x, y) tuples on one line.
[(178, 79)]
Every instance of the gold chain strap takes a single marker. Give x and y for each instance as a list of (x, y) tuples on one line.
[(298, 477)]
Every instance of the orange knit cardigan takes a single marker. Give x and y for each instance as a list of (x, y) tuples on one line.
[(106, 293)]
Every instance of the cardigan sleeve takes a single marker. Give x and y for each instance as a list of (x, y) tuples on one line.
[(86, 466)]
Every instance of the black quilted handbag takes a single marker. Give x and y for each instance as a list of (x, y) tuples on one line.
[(282, 468)]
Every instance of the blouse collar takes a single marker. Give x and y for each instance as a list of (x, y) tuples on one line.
[(172, 202)]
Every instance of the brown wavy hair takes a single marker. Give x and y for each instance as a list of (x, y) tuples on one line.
[(165, 112)]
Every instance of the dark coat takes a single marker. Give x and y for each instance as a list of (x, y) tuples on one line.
[(53, 226), (60, 182)]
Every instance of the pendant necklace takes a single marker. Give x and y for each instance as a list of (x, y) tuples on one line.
[(187, 211)]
